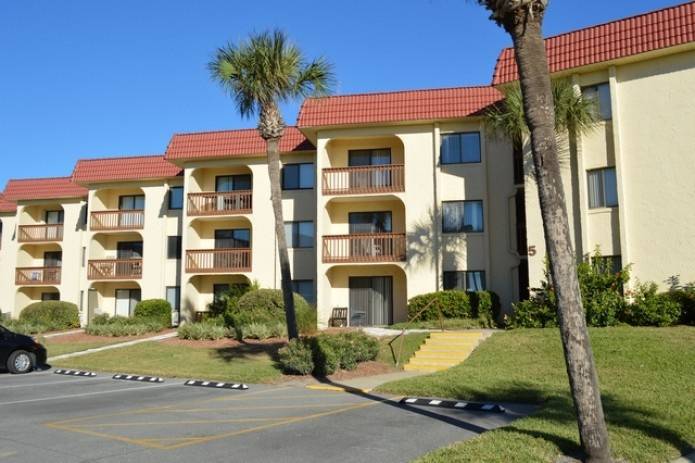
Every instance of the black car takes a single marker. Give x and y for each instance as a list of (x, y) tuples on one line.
[(19, 353)]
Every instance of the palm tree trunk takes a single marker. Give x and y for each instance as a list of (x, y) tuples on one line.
[(538, 105), (273, 148)]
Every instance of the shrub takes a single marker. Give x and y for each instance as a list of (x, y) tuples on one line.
[(685, 298), (650, 308), (230, 298), (101, 319), (122, 326), (154, 309), (261, 331), (55, 315), (26, 328), (202, 331), (326, 361), (266, 307), (485, 305), (352, 348), (453, 304), (533, 313), (296, 357)]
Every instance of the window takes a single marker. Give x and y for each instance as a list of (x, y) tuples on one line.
[(370, 222), (219, 290), (227, 183), (371, 157), (173, 247), (129, 250), (233, 239), (305, 288), (54, 217), (601, 94), (608, 264), (50, 296), (175, 198), (131, 203), (603, 190), (462, 216), (298, 176), (470, 280), (460, 148), (173, 296), (300, 234)]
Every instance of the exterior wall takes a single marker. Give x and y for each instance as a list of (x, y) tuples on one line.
[(8, 255), (649, 140)]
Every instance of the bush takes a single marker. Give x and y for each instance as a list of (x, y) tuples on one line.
[(26, 328), (154, 309), (650, 308), (55, 315), (351, 348), (533, 313), (685, 298), (122, 326), (101, 319), (326, 361), (297, 357), (453, 304), (261, 331), (266, 307), (230, 298), (485, 306), (202, 331)]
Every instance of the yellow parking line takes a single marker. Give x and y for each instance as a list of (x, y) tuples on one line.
[(127, 440), (264, 407), (166, 423)]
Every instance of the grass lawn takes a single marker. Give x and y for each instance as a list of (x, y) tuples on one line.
[(391, 346), (647, 378), (252, 364), (59, 348)]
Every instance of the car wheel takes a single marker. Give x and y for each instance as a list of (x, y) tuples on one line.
[(20, 362)]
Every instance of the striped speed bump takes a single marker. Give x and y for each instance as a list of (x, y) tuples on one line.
[(215, 384), (144, 379), (89, 374), (468, 406)]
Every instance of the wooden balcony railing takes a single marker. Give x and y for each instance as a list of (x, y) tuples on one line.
[(364, 179), (118, 220), (218, 260), (37, 276), (114, 269), (38, 233), (223, 203), (364, 247)]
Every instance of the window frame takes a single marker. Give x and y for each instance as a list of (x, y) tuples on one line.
[(312, 299), (177, 251), (170, 196), (604, 197), (463, 230), (298, 166), (295, 235), (465, 274), (461, 159), (134, 198), (603, 113)]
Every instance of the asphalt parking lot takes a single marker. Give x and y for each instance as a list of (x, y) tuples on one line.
[(49, 417)]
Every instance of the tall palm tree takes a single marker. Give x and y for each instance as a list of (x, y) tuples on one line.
[(259, 74), (523, 20)]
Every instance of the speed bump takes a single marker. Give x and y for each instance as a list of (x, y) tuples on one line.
[(454, 404), (215, 384), (144, 379), (89, 374)]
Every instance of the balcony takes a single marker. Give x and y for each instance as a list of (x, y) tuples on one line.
[(364, 247), (218, 260), (40, 233), (118, 220), (37, 276), (364, 179), (115, 269), (220, 203)]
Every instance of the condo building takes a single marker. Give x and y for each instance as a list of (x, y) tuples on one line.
[(385, 195)]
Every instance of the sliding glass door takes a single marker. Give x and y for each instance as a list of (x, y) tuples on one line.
[(371, 301)]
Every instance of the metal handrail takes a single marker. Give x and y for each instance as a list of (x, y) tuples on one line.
[(411, 320)]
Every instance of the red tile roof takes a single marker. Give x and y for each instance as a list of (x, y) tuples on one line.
[(659, 29), (7, 206), (118, 169), (402, 106), (43, 188), (231, 143)]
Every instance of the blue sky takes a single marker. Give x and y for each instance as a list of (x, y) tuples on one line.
[(85, 78)]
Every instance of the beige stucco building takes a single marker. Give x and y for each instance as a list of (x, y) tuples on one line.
[(385, 195)]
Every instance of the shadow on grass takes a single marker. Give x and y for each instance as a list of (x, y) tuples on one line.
[(251, 351)]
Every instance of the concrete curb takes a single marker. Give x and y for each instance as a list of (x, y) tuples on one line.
[(160, 337)]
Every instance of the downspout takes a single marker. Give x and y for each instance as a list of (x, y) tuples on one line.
[(437, 232)]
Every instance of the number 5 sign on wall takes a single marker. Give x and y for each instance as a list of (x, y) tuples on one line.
[(531, 251)]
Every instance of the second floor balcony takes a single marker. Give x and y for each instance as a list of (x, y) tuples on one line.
[(40, 233), (37, 276), (127, 219), (364, 248), (220, 203), (218, 260), (388, 178), (115, 269)]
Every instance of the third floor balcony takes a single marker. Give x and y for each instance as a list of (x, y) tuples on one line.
[(364, 248), (220, 203), (116, 220), (388, 178), (40, 233)]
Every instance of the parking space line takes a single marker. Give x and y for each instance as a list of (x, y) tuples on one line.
[(127, 440), (168, 423), (66, 381), (111, 391), (264, 407)]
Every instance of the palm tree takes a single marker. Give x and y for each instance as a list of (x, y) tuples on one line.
[(259, 74), (523, 20)]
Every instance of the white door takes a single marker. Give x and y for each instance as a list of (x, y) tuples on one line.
[(123, 302)]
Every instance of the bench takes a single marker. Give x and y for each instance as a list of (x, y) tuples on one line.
[(338, 317)]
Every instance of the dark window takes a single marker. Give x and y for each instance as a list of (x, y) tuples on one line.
[(460, 148), (462, 216), (603, 189), (608, 264), (174, 247), (233, 239), (370, 222), (54, 217), (129, 250), (300, 234), (219, 290), (601, 94), (50, 296), (52, 259), (470, 280), (176, 198), (518, 159), (227, 183), (131, 203), (298, 176), (305, 288), (370, 157)]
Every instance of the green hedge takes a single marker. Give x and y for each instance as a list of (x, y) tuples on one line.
[(685, 298), (207, 330), (455, 304), (266, 307), (102, 325), (55, 315), (154, 309), (650, 309)]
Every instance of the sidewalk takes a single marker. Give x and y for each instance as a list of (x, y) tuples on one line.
[(364, 384), (159, 337)]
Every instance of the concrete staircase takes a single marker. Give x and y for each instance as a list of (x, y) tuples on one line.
[(443, 350)]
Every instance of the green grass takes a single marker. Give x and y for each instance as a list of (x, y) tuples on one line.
[(248, 363), (449, 324), (391, 346), (647, 378), (60, 348)]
